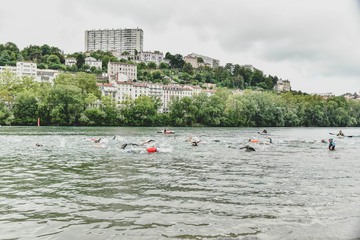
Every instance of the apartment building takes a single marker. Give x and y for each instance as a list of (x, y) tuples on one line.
[(208, 61), (121, 91), (115, 69), (92, 62), (174, 91), (30, 69), (115, 40), (156, 57), (26, 69)]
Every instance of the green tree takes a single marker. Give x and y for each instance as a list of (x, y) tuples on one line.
[(6, 116), (52, 59), (63, 105), (151, 65), (163, 65), (142, 111), (86, 82), (182, 112), (25, 108), (188, 68)]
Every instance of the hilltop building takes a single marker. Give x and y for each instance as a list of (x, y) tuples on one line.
[(282, 86), (146, 57), (194, 61), (207, 61), (115, 40)]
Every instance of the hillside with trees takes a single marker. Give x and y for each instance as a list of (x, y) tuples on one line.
[(231, 76), (74, 98)]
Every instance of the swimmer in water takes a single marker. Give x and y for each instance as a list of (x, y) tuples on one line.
[(38, 145), (97, 140), (331, 144), (146, 142), (128, 144), (194, 140), (248, 148)]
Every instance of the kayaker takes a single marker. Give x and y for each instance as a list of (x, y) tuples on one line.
[(340, 133), (331, 144)]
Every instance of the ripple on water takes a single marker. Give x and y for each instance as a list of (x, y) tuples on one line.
[(71, 188)]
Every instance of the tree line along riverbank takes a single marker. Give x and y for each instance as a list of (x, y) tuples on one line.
[(75, 99)]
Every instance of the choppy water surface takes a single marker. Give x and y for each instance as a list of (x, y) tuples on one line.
[(72, 188)]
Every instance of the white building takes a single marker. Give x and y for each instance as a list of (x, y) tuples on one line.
[(121, 91), (211, 62), (117, 68), (156, 57), (174, 91), (118, 40), (107, 89), (30, 69), (26, 69), (282, 86), (134, 90), (92, 62), (46, 75), (70, 61), (8, 68), (21, 69)]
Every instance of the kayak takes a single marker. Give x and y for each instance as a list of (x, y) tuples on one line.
[(167, 132), (341, 136)]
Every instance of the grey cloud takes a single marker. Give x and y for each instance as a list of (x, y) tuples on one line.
[(318, 35)]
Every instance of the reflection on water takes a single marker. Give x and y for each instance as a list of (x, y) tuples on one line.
[(73, 188)]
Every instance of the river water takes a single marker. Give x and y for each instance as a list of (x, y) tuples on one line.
[(73, 188)]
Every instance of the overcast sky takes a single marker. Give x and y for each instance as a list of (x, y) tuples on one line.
[(314, 44)]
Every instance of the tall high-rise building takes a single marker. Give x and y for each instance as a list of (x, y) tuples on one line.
[(114, 40)]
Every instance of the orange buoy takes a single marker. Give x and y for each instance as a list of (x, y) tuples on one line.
[(151, 149)]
